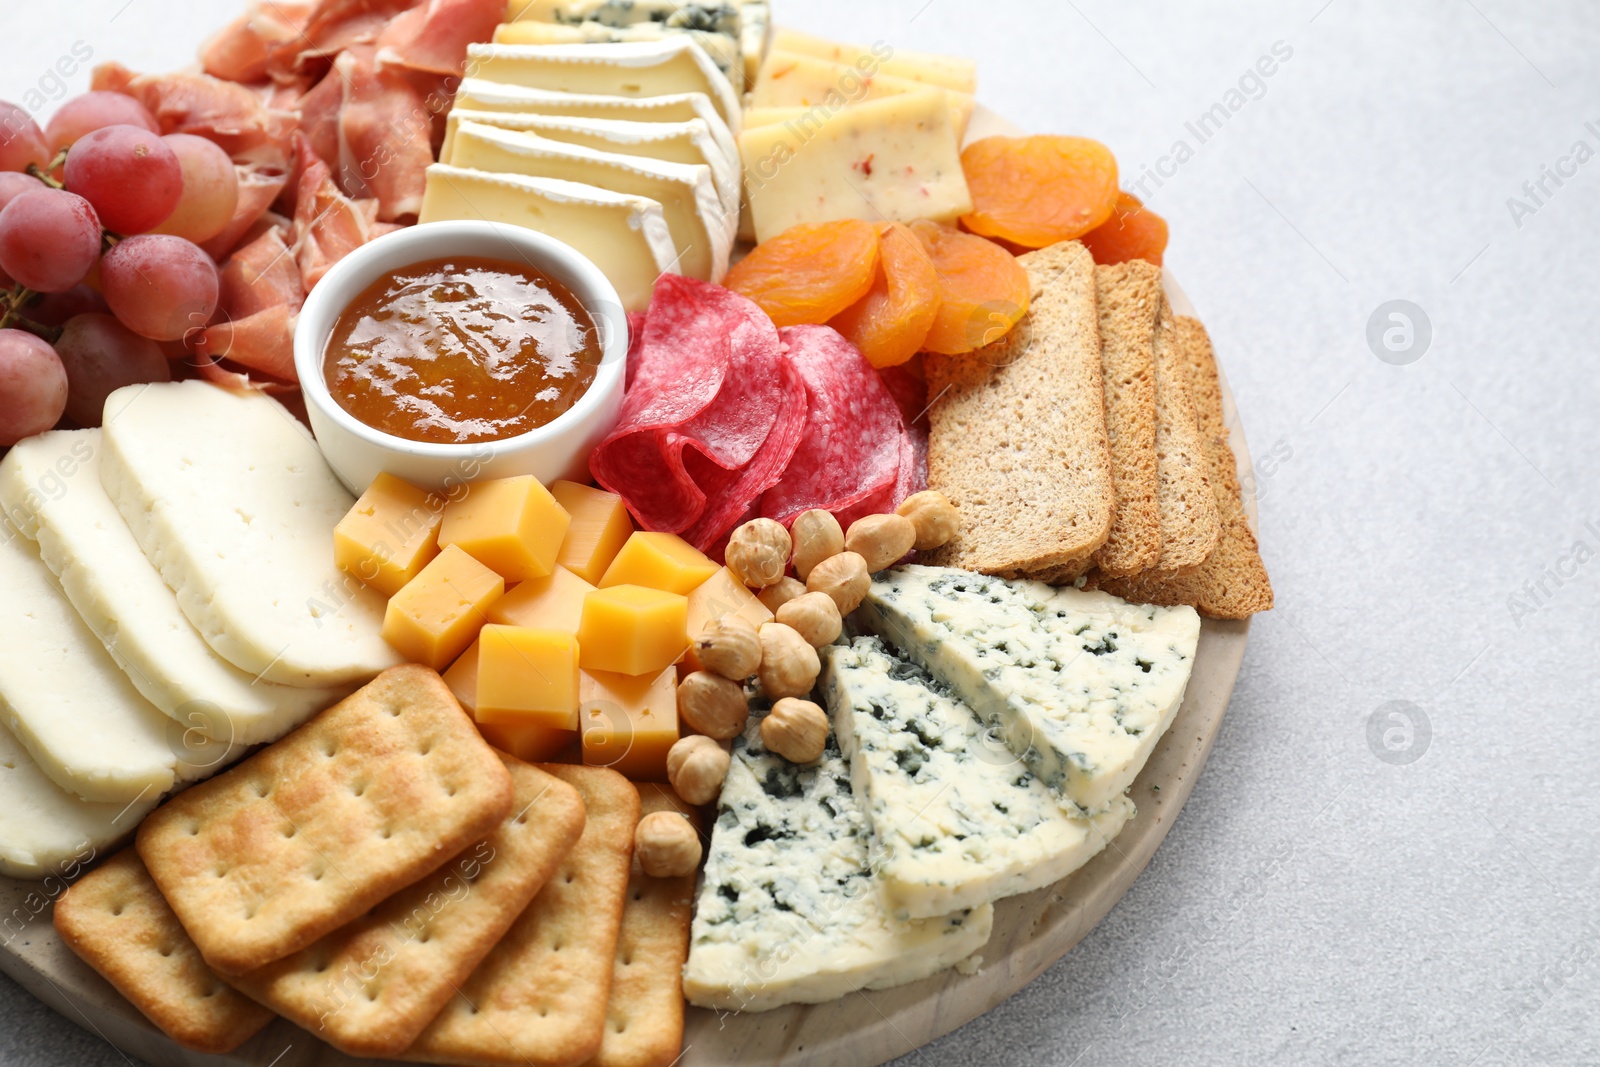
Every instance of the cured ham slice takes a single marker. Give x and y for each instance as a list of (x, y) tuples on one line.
[(385, 134), (327, 224), (222, 111), (263, 342), (434, 36), (259, 276), (330, 28)]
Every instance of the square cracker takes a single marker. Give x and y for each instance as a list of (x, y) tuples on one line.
[(644, 1017), (116, 919), (373, 794), (371, 987), (539, 998)]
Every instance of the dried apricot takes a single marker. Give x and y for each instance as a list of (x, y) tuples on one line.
[(1132, 232), (983, 290), (808, 274), (1036, 191), (890, 323)]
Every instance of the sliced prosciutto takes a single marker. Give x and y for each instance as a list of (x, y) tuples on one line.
[(384, 135), (433, 37)]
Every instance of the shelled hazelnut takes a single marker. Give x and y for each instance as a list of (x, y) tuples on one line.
[(817, 536), (844, 577), (730, 646), (667, 845), (814, 617), (758, 552), (936, 519), (713, 705), (696, 766), (789, 665), (797, 730)]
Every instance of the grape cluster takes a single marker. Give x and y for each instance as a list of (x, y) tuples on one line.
[(101, 220)]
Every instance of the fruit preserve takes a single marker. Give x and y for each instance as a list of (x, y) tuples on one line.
[(461, 349)]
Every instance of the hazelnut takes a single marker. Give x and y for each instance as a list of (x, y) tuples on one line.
[(713, 705), (797, 730), (817, 536), (776, 596), (814, 617), (789, 666), (935, 518), (696, 766), (729, 646), (881, 539), (666, 844), (758, 552), (844, 577)]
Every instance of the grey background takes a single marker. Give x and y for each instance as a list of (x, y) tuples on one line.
[(1428, 895)]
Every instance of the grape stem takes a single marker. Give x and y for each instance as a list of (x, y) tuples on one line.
[(13, 319), (43, 173)]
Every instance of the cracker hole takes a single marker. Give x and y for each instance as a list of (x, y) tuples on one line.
[(638, 894), (166, 950), (571, 878), (427, 747), (359, 788), (289, 831), (116, 911), (427, 935), (194, 830), (330, 749), (627, 960), (322, 967), (543, 1012), (263, 790), (385, 833)]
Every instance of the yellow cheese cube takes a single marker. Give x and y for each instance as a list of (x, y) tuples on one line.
[(528, 676), (659, 561), (511, 525), (439, 612), (390, 534), (721, 594), (628, 723), (600, 527), (554, 602), (629, 629), (462, 679), (529, 742)]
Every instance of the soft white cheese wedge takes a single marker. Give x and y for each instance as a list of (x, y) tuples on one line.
[(790, 911), (957, 818), (70, 705), (230, 499), (721, 47), (45, 830), (1081, 684), (687, 193), (122, 598)]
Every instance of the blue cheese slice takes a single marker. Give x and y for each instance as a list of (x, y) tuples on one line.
[(1081, 684), (957, 818), (789, 909)]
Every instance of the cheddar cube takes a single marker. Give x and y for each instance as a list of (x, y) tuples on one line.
[(462, 679), (554, 602), (528, 676), (600, 527), (721, 594), (629, 629), (659, 561), (513, 526), (529, 742), (439, 612), (390, 534), (629, 722)]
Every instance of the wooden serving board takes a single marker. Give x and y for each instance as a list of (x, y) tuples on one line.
[(1031, 932)]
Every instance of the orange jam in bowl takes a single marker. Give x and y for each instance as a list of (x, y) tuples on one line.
[(463, 349)]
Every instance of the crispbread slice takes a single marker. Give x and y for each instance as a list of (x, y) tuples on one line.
[(117, 921), (644, 1017), (539, 998), (1190, 525), (1018, 438), (370, 796), (371, 987), (1232, 583)]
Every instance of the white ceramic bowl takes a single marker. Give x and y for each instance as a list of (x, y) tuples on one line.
[(560, 449)]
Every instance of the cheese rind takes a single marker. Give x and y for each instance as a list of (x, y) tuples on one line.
[(956, 816), (1081, 684), (789, 910)]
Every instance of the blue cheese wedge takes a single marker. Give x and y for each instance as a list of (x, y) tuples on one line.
[(789, 909), (1081, 684), (957, 818)]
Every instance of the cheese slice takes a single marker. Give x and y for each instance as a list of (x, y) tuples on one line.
[(751, 19), (766, 116), (688, 143), (120, 596), (721, 47), (626, 236), (687, 193), (898, 159), (638, 69), (70, 705), (229, 497), (788, 79), (947, 72), (45, 830)]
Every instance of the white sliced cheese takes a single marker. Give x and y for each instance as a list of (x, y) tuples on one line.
[(626, 236), (721, 46), (957, 817), (230, 499), (71, 706), (122, 598), (45, 830), (688, 142), (687, 193), (644, 68)]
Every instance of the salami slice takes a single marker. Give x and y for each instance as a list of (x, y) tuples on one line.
[(851, 447)]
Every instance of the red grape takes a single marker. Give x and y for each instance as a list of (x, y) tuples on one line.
[(14, 183), (101, 356), (210, 189), (130, 175), (161, 287), (54, 309), (49, 239), (95, 111), (33, 386), (21, 140)]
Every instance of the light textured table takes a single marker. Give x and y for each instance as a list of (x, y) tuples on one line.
[(1354, 881)]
